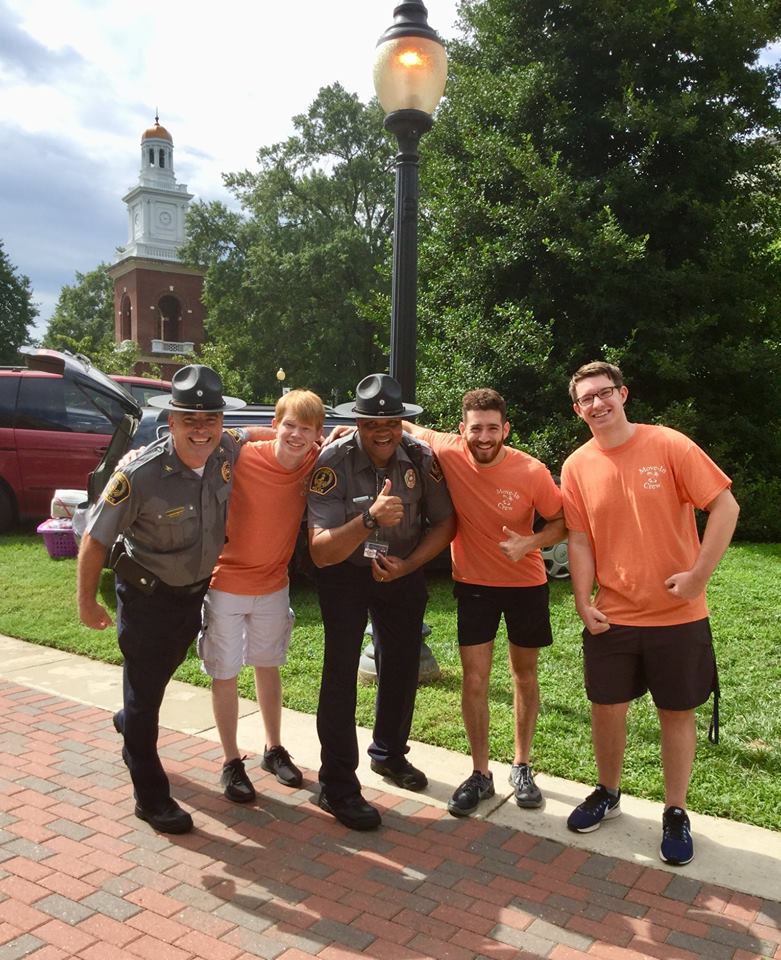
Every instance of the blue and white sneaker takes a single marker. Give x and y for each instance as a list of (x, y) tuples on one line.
[(598, 806), (677, 845)]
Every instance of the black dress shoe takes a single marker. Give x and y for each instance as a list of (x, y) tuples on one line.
[(354, 812), (169, 818), (402, 773)]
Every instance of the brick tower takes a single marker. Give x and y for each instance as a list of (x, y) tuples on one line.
[(157, 298)]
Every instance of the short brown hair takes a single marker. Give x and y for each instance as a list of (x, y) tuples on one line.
[(303, 405), (483, 399), (597, 368)]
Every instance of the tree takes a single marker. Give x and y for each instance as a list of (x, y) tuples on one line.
[(603, 181), (17, 310), (289, 278), (83, 320)]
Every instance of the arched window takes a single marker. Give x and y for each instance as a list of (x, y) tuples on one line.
[(170, 318), (151, 157), (162, 158), (124, 319)]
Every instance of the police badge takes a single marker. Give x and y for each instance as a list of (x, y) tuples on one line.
[(117, 489), (323, 480)]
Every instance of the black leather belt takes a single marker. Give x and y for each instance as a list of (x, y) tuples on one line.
[(144, 580), (186, 590)]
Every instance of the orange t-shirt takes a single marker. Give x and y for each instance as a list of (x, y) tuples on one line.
[(636, 504), (487, 498), (264, 516)]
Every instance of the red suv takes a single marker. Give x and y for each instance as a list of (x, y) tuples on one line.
[(57, 416)]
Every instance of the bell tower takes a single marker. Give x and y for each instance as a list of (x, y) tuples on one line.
[(157, 298)]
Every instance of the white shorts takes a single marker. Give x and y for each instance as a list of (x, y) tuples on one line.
[(239, 630)]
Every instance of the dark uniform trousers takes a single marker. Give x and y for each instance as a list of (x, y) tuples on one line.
[(348, 593), (154, 631)]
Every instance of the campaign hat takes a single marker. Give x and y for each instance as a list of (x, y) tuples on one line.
[(196, 389), (378, 397)]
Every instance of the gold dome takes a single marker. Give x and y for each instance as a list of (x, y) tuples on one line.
[(156, 131)]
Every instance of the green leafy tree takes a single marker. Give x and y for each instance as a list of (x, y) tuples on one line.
[(83, 320), (17, 310), (288, 279), (603, 181)]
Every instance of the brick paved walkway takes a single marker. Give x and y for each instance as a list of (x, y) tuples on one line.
[(80, 876)]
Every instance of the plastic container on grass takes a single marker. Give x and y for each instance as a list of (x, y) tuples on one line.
[(64, 502), (58, 537)]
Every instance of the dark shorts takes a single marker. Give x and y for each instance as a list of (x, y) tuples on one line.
[(525, 609), (677, 664)]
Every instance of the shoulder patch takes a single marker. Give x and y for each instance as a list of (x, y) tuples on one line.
[(237, 435), (117, 489), (323, 480), (436, 471)]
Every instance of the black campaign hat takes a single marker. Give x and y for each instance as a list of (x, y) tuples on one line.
[(196, 389), (378, 396)]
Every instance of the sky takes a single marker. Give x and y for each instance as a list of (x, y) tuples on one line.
[(80, 81)]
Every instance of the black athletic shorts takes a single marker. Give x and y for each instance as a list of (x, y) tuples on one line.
[(677, 664), (525, 609)]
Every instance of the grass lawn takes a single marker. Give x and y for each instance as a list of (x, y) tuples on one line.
[(740, 778)]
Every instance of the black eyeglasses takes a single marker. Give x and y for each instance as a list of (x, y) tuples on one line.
[(604, 394)]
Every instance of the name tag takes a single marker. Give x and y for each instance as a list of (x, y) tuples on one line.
[(373, 549)]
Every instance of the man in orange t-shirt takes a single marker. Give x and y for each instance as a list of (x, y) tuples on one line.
[(247, 616), (629, 499), (498, 570)]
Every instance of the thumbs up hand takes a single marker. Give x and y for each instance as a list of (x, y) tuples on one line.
[(387, 510)]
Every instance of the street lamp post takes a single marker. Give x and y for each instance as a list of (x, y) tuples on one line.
[(410, 71)]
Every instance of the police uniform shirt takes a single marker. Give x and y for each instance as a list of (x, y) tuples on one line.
[(345, 483), (172, 519)]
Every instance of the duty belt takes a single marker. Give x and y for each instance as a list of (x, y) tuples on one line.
[(144, 580)]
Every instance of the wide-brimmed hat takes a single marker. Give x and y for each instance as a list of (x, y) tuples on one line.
[(378, 396), (196, 389)]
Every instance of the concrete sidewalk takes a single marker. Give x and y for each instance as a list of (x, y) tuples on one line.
[(81, 877)]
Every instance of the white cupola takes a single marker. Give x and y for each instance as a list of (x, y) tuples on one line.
[(157, 205)]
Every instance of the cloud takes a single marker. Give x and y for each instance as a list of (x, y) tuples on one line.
[(58, 214), (23, 55)]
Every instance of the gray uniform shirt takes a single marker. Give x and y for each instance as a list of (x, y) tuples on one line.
[(345, 483), (173, 520)]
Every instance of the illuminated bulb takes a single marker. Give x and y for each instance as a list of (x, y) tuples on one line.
[(411, 58)]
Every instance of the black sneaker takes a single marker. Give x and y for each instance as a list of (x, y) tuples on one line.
[(238, 786), (527, 793), (467, 796), (277, 761), (677, 845), (598, 806), (402, 773)]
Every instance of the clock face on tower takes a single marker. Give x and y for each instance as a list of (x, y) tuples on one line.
[(165, 218)]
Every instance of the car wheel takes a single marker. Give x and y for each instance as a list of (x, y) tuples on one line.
[(7, 511), (556, 561)]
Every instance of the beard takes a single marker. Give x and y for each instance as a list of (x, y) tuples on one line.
[(482, 453)]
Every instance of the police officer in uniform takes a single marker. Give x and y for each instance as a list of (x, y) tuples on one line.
[(378, 510), (164, 513)]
